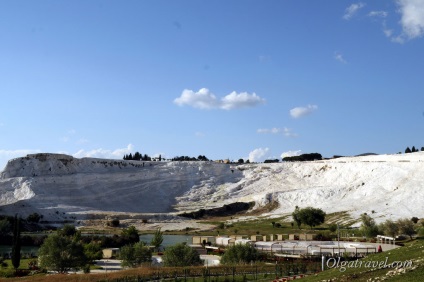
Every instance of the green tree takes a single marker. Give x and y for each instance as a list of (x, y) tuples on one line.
[(5, 227), (34, 217), (130, 235), (296, 217), (407, 150), (390, 228), (406, 227), (93, 251), (311, 216), (61, 254), (68, 230), (332, 227), (368, 226), (239, 254), (16, 244), (157, 239), (134, 255), (181, 255)]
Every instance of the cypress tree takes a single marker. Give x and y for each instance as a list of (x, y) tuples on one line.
[(16, 244)]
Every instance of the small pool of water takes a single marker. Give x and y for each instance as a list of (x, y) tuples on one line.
[(168, 240)]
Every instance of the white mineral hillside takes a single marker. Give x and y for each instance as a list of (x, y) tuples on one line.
[(387, 186)]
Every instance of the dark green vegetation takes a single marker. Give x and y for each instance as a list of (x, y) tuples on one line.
[(137, 157), (226, 210), (304, 157), (181, 255), (309, 216), (16, 244), (157, 239), (240, 254), (413, 150), (135, 255), (61, 253)]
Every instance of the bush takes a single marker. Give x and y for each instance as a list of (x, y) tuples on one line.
[(113, 223), (181, 255), (61, 254), (135, 255), (34, 217), (239, 254), (332, 227)]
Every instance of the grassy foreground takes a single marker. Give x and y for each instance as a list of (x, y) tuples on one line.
[(411, 255), (366, 270)]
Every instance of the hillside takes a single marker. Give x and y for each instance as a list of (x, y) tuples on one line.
[(61, 187)]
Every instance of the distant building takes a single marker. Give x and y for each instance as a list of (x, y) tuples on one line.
[(110, 253)]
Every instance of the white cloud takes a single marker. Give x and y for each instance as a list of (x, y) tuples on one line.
[(412, 19), (299, 112), (199, 134), (291, 153), (380, 14), (236, 100), (258, 155), (387, 32), (106, 154), (288, 133), (6, 155), (339, 57), (204, 99), (352, 10), (267, 130)]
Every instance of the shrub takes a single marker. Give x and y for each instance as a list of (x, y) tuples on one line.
[(239, 254), (181, 255), (113, 223), (34, 217)]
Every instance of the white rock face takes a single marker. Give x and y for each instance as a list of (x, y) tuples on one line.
[(390, 185)]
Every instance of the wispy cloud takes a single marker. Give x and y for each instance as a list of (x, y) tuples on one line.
[(299, 112), (199, 134), (204, 99), (269, 130), (105, 153), (352, 10), (291, 153), (339, 57), (379, 14), (289, 133), (258, 155), (412, 20), (285, 131)]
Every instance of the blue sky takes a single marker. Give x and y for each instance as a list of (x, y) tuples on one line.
[(225, 79)]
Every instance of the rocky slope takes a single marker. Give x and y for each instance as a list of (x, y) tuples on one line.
[(60, 186)]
